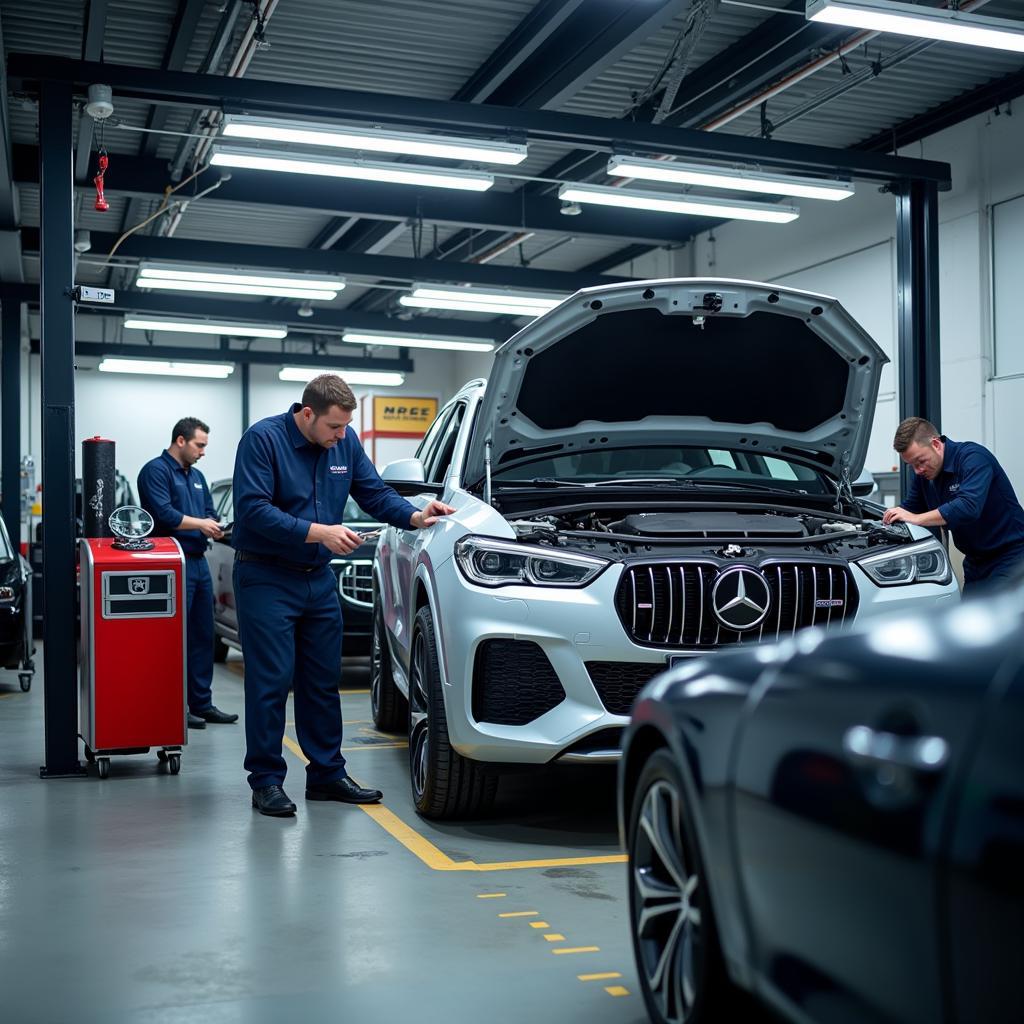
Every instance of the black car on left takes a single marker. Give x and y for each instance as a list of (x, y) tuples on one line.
[(354, 574), (16, 647)]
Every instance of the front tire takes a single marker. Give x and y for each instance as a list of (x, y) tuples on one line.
[(387, 705), (682, 976), (445, 785)]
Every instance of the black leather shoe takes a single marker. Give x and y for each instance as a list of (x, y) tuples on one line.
[(215, 715), (195, 722), (272, 800), (344, 790)]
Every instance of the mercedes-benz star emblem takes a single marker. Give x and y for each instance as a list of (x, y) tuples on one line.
[(740, 598)]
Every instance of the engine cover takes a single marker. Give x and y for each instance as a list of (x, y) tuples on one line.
[(710, 525)]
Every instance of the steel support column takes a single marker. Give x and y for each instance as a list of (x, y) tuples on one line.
[(917, 282), (10, 428), (57, 325), (245, 396)]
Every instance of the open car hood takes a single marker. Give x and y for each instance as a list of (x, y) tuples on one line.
[(687, 361)]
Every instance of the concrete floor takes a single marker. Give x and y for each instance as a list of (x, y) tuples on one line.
[(168, 899)]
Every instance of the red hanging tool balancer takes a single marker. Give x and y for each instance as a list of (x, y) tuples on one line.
[(101, 200)]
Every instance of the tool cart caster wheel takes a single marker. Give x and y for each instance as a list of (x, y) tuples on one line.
[(25, 679), (174, 763), (90, 757), (103, 766), (161, 756)]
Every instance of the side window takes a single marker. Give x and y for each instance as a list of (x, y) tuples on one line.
[(429, 443), (222, 503), (442, 459)]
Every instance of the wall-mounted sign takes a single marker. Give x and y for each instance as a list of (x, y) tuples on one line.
[(410, 416)]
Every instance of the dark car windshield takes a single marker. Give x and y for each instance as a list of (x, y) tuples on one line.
[(719, 465)]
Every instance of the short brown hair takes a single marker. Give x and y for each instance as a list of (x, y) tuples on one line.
[(326, 390), (913, 430)]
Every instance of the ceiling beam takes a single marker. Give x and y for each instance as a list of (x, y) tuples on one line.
[(93, 30), (399, 269), (287, 99), (11, 268)]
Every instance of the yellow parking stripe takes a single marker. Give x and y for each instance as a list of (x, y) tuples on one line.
[(491, 895), (521, 913), (604, 976), (539, 924), (576, 949), (436, 859), (616, 990), (554, 937)]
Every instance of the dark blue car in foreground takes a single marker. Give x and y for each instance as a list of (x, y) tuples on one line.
[(836, 824)]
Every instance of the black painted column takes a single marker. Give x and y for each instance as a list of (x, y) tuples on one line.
[(57, 348), (245, 396), (917, 282), (10, 424)]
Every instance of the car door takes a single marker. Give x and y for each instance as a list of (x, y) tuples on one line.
[(843, 774), (221, 557)]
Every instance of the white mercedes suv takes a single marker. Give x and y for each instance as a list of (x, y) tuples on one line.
[(653, 471)]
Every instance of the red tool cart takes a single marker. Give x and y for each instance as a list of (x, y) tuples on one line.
[(132, 682)]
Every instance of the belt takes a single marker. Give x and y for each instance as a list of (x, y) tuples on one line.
[(280, 563)]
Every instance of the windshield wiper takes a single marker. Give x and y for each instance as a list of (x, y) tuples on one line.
[(538, 481), (743, 485)]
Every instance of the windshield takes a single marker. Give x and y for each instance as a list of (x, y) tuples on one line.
[(694, 465)]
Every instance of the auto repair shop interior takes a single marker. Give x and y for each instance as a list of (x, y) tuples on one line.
[(681, 712)]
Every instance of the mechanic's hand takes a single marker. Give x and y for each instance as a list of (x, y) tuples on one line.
[(210, 528), (898, 515), (430, 515), (340, 540)]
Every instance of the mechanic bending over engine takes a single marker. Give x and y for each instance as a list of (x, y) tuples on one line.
[(960, 484), (293, 474)]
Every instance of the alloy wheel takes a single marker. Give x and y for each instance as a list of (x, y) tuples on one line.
[(376, 665), (667, 918), (419, 716)]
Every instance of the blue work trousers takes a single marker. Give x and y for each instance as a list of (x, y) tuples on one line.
[(199, 631), (983, 574), (289, 624)]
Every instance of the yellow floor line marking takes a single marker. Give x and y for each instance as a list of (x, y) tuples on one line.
[(604, 976), (576, 949), (616, 990), (436, 859), (491, 895), (356, 721), (376, 746), (539, 924), (521, 913), (352, 691), (554, 937), (4, 696)]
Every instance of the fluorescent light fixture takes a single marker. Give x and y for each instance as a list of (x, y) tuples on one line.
[(205, 327), (479, 301), (723, 177), (292, 286), (416, 341), (663, 202), (443, 147), (360, 170), (166, 369), (903, 19), (374, 378)]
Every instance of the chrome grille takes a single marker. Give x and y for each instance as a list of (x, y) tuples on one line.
[(669, 604), (355, 581)]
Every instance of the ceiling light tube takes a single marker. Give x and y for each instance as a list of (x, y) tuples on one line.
[(372, 378), (416, 341), (163, 368), (329, 284), (724, 177), (663, 202), (234, 289), (206, 327), (512, 303), (943, 24), (444, 147), (360, 170)]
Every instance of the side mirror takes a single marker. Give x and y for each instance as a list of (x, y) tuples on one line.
[(406, 476), (864, 485)]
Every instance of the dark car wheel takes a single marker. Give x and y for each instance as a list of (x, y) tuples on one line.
[(444, 784), (388, 706), (678, 960), (220, 650)]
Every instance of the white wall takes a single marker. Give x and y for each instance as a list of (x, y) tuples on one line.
[(847, 249)]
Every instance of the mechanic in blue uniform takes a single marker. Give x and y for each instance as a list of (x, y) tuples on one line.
[(960, 484), (293, 475), (175, 494)]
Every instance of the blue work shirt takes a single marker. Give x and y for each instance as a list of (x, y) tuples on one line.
[(168, 492), (283, 484), (974, 495)]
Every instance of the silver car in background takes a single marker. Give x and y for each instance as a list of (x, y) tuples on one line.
[(654, 471)]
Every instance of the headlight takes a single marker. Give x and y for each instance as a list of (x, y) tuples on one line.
[(500, 563), (7, 594), (920, 563)]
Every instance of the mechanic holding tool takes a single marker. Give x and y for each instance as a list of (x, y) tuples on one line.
[(175, 494), (960, 484), (293, 475)]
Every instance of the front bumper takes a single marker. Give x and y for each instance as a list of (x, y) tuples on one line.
[(573, 628)]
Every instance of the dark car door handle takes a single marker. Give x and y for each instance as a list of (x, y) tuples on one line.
[(867, 747)]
